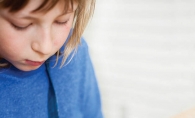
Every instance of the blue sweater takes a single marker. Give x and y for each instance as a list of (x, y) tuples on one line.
[(54, 92)]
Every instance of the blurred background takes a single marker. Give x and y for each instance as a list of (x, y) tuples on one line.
[(143, 53)]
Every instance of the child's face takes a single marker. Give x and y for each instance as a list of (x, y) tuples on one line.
[(28, 39)]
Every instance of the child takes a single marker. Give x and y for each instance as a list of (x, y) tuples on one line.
[(45, 69)]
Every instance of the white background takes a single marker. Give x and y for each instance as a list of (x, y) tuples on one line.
[(143, 53)]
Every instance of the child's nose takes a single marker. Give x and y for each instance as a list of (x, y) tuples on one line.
[(44, 43)]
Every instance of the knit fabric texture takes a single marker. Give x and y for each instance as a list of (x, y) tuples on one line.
[(75, 90)]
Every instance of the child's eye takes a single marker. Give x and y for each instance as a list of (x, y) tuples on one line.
[(19, 27), (61, 23)]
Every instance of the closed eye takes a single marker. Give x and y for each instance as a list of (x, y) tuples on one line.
[(19, 27), (61, 23)]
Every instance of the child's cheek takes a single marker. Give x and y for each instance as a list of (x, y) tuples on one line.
[(60, 40), (62, 36), (58, 43)]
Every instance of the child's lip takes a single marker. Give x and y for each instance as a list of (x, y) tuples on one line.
[(34, 63)]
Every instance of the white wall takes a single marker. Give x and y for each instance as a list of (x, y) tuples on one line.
[(144, 56)]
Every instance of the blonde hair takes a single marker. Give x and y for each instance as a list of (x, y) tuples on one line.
[(83, 13)]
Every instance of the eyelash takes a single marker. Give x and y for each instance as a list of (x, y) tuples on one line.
[(20, 28), (24, 28), (62, 23)]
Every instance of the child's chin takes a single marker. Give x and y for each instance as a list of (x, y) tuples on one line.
[(29, 68)]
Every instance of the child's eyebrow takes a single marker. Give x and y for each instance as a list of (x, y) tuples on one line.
[(34, 18), (65, 13)]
